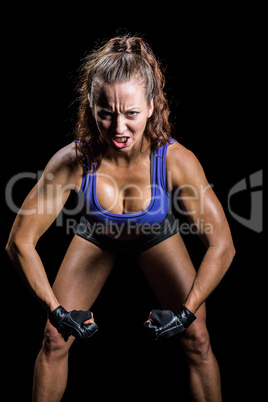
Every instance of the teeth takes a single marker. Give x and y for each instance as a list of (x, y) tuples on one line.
[(121, 139)]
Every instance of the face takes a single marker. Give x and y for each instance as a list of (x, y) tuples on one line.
[(121, 112)]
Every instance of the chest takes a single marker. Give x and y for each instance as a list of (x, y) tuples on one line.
[(124, 190)]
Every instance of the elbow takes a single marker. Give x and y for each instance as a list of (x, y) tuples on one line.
[(12, 248), (232, 252), (9, 247), (231, 248), (225, 251), (19, 245), (229, 252)]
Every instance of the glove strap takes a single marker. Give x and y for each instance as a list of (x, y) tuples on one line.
[(186, 316), (57, 315)]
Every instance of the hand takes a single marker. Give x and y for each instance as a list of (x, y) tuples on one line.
[(165, 323), (77, 323)]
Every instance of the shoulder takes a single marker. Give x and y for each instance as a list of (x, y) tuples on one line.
[(66, 156), (64, 166), (183, 165), (181, 157)]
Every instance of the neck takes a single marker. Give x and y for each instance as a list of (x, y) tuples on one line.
[(127, 157)]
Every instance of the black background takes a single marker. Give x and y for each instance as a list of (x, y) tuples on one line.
[(213, 61)]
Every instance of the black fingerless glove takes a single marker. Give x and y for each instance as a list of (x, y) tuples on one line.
[(71, 323), (166, 324)]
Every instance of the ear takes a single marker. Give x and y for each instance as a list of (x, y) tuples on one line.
[(151, 108)]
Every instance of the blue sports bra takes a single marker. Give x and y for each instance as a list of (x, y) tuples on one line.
[(155, 213)]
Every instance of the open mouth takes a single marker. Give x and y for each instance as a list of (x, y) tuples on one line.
[(120, 142)]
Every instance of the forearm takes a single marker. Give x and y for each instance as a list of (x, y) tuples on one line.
[(214, 265), (29, 265)]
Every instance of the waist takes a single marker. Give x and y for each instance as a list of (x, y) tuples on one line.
[(124, 230), (149, 236)]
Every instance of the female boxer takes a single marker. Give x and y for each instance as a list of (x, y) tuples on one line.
[(126, 165)]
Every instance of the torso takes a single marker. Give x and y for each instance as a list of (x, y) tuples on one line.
[(128, 193), (120, 190)]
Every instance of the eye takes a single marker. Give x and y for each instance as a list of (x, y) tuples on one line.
[(132, 113), (105, 114)]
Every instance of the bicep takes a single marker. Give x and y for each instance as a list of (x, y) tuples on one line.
[(42, 205), (206, 212), (201, 204), (37, 213)]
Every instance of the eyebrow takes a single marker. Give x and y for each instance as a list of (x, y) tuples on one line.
[(134, 107), (108, 109)]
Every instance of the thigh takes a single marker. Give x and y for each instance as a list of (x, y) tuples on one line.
[(170, 272), (82, 274)]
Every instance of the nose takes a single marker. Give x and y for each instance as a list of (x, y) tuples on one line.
[(119, 125)]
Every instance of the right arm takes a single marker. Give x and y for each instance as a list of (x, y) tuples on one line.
[(45, 201)]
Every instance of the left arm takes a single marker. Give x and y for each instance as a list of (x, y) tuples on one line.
[(202, 206)]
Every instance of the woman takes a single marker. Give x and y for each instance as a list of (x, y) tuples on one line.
[(126, 165)]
